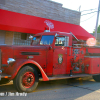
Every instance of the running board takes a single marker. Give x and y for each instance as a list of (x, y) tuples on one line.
[(66, 77)]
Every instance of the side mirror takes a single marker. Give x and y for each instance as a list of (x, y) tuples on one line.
[(30, 37), (56, 35)]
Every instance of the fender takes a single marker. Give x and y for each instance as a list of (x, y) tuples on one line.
[(19, 63)]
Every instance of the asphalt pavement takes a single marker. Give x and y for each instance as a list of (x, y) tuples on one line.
[(69, 89)]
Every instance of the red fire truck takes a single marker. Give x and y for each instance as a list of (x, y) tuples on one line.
[(51, 56)]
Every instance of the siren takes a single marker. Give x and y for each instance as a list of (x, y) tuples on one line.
[(47, 29)]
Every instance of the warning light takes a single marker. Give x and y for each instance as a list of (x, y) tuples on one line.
[(91, 42), (47, 29)]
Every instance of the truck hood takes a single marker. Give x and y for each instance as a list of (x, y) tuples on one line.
[(11, 51), (23, 48), (23, 52), (29, 48)]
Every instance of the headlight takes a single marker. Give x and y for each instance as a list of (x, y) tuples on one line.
[(10, 60)]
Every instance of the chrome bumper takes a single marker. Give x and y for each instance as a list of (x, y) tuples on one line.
[(4, 76)]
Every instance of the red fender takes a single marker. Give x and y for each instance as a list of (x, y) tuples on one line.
[(21, 63)]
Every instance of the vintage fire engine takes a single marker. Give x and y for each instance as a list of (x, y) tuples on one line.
[(51, 56)]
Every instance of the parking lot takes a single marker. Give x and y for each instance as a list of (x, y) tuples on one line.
[(69, 89)]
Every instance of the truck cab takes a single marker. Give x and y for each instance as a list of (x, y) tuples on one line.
[(56, 52)]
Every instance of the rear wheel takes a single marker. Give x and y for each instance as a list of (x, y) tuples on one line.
[(96, 78), (26, 80)]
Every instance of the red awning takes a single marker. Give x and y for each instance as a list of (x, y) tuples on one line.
[(12, 21)]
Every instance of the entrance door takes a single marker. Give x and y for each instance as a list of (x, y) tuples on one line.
[(59, 56), (2, 37)]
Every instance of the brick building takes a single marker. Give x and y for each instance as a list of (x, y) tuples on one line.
[(20, 18)]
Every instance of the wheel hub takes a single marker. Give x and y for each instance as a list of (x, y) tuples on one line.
[(28, 79)]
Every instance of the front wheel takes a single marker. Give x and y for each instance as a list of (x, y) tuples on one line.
[(26, 79), (96, 78)]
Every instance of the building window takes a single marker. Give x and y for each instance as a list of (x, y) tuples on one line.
[(23, 36)]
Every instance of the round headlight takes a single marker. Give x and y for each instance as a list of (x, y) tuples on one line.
[(10, 60)]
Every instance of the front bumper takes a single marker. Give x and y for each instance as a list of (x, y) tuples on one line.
[(2, 75)]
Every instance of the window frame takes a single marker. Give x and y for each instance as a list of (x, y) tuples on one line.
[(66, 41), (46, 44)]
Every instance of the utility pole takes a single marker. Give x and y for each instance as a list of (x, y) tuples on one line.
[(97, 21), (79, 8)]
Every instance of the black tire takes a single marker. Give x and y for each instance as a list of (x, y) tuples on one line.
[(27, 75), (4, 81), (96, 78)]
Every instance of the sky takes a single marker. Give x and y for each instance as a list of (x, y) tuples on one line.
[(88, 21)]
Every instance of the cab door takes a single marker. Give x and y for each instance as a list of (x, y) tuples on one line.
[(60, 56)]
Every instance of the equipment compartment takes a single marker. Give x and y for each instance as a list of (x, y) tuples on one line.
[(92, 64)]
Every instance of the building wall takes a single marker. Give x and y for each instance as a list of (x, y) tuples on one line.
[(9, 38), (14, 38), (98, 38), (2, 37), (6, 37), (42, 8), (21, 38)]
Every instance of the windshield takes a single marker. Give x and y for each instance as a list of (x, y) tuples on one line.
[(47, 40)]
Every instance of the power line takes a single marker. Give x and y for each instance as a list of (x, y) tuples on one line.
[(88, 18), (89, 13), (89, 10)]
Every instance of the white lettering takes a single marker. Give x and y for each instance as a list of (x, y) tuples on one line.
[(2, 94), (10, 94), (49, 24), (13, 94)]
